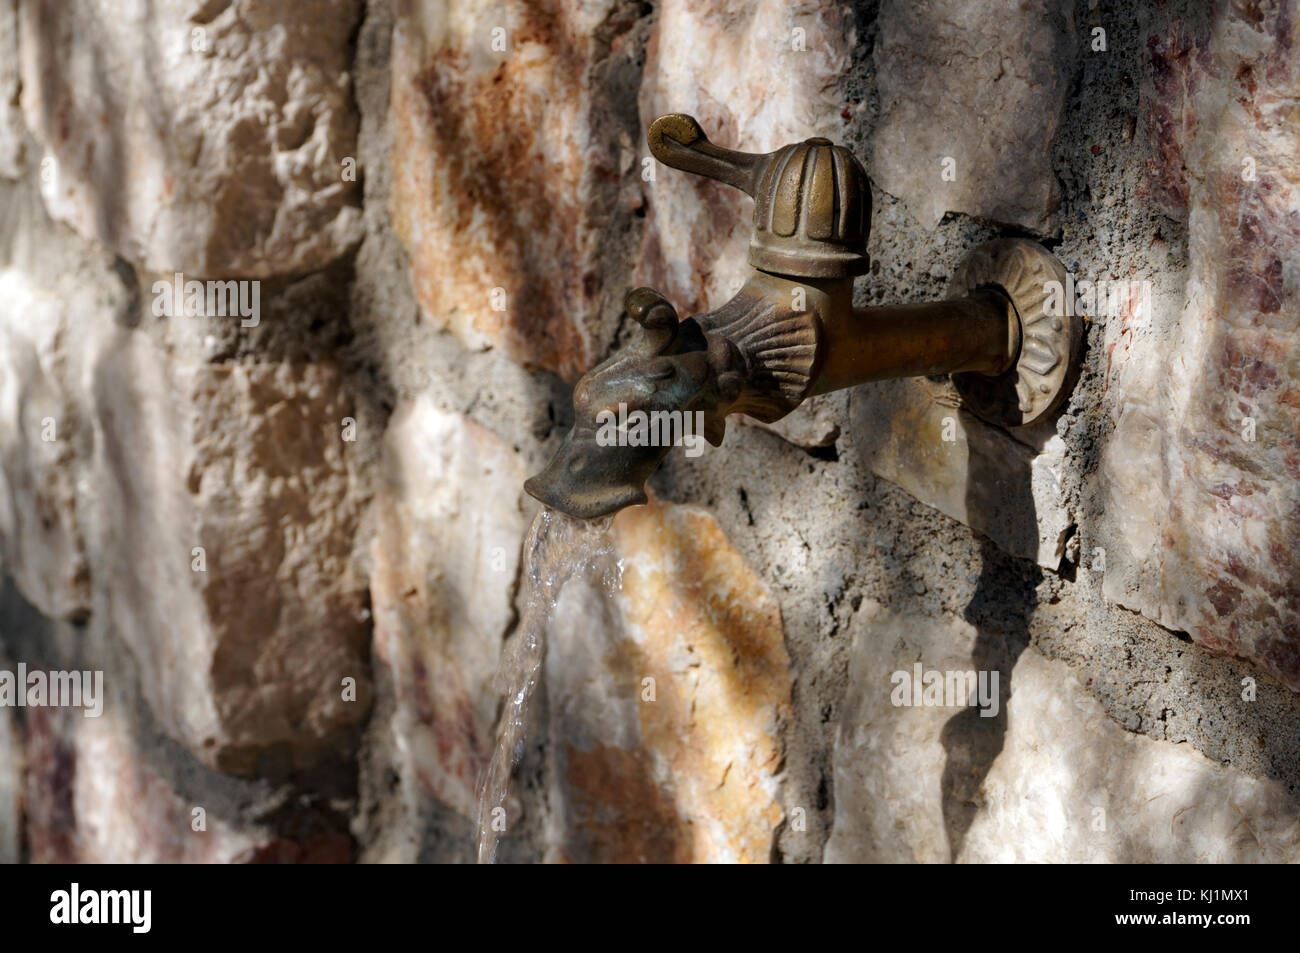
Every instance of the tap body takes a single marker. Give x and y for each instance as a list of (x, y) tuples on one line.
[(977, 333), (792, 330)]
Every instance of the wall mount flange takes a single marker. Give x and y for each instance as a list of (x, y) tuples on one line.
[(1051, 344)]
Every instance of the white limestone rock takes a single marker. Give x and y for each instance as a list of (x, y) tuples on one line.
[(203, 137), (445, 559), (971, 97), (1064, 783)]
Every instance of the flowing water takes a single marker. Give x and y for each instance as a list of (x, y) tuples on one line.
[(557, 548)]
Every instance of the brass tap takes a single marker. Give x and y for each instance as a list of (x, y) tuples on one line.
[(792, 330)]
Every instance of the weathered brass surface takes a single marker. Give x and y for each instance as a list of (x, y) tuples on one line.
[(792, 330), (812, 201)]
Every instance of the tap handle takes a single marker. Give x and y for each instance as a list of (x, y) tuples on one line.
[(677, 140), (812, 199)]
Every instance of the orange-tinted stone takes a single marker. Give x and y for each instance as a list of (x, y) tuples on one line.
[(504, 175), (686, 715)]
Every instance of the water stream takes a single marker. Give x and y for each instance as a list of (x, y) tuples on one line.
[(557, 548)]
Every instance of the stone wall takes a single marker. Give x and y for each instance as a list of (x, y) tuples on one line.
[(290, 537)]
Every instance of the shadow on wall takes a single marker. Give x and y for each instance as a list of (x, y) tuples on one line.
[(1001, 608), (512, 191)]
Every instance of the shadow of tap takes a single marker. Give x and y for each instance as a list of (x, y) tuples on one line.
[(1001, 609)]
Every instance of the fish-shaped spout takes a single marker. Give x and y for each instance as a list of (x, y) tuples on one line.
[(675, 387)]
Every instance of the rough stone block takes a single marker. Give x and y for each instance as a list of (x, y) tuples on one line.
[(222, 536), (202, 137), (509, 165), (971, 97), (445, 559), (666, 707), (1055, 779), (1201, 513)]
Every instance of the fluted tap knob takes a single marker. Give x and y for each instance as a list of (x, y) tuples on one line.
[(812, 199)]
